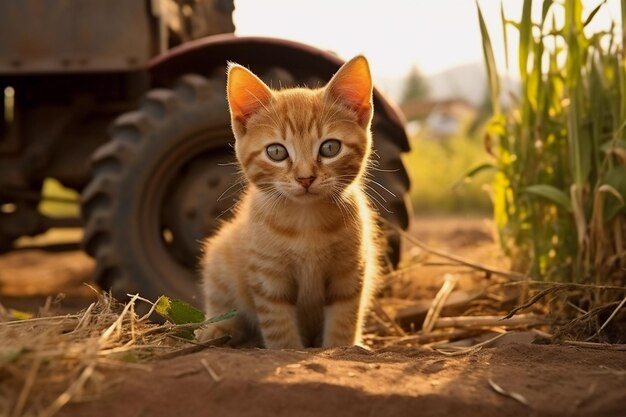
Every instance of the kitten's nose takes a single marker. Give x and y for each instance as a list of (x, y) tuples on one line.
[(306, 181)]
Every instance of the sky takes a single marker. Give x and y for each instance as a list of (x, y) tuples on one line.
[(435, 35)]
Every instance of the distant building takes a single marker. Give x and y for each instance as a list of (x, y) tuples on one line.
[(441, 118)]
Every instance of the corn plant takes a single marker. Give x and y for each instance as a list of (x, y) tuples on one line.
[(560, 149)]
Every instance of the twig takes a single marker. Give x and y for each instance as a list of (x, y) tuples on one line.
[(436, 306), (217, 378), (386, 320), (40, 319), (568, 285), (457, 351), (607, 320), (28, 384), (85, 317), (554, 289), (117, 323), (153, 306), (381, 325), (191, 326), (516, 276), (534, 299), (66, 396), (196, 348), (592, 345), (422, 339), (488, 321), (514, 395)]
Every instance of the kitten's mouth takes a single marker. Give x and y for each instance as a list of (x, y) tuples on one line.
[(306, 195)]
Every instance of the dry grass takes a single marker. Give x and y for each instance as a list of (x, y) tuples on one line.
[(47, 361), (506, 301)]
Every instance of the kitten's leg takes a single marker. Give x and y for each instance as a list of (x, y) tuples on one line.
[(342, 321), (276, 313), (219, 300)]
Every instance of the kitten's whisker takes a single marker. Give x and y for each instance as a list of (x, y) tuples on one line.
[(381, 186), (272, 198), (234, 193), (374, 165), (240, 182), (226, 210), (369, 187), (341, 210), (276, 200), (338, 203), (352, 216), (379, 203)]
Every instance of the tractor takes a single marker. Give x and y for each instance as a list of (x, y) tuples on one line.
[(124, 101)]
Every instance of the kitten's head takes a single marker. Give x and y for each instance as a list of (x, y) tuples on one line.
[(304, 144)]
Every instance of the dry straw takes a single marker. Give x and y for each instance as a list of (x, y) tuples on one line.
[(547, 309), (48, 361)]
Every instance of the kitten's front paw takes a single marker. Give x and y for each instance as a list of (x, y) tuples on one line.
[(209, 332)]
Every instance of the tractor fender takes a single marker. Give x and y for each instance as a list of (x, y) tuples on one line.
[(206, 55)]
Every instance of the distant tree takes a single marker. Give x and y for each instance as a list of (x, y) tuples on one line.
[(415, 87)]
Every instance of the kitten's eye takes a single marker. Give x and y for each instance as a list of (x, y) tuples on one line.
[(277, 152), (330, 148)]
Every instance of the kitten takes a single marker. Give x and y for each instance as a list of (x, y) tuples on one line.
[(300, 257)]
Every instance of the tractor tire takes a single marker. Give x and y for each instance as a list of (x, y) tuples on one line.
[(168, 177), (6, 243)]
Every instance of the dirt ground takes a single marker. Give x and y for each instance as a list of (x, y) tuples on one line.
[(555, 381), (534, 379)]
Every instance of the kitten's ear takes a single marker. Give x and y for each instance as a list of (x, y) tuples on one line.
[(352, 86), (247, 94)]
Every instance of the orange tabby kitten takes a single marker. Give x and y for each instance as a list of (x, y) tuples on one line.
[(299, 259)]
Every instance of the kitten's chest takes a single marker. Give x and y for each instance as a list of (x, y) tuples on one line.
[(302, 232), (309, 243)]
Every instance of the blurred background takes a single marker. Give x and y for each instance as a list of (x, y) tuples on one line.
[(427, 56)]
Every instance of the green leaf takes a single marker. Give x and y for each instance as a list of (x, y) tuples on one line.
[(178, 312), (616, 179), (546, 7), (525, 37), (505, 37), (487, 166), (551, 193), (593, 13), (186, 316), (221, 317), (616, 146), (492, 73)]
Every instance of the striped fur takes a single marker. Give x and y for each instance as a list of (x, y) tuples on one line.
[(299, 264)]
